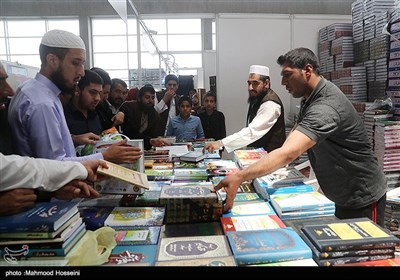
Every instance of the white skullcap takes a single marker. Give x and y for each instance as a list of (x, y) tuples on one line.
[(62, 39), (259, 69)]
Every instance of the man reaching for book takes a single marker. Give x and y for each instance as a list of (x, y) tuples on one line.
[(21, 178)]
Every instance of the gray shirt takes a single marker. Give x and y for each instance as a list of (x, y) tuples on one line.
[(342, 159)]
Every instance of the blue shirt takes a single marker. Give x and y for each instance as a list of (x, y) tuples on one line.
[(38, 123), (185, 130)]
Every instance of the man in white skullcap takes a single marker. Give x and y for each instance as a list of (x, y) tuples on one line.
[(265, 118), (36, 114)]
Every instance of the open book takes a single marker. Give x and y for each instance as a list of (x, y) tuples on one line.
[(125, 174)]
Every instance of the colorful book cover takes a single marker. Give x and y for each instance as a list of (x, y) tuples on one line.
[(135, 216), (246, 223), (138, 235), (43, 217), (132, 255), (94, 217), (193, 247), (266, 246), (349, 234), (385, 262), (216, 261)]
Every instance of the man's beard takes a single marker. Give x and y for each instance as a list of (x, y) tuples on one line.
[(253, 99), (58, 79)]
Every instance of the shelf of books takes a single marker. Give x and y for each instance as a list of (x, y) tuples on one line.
[(178, 220)]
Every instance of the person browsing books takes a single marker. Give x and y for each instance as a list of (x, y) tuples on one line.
[(22, 177), (334, 136), (265, 117), (36, 114)]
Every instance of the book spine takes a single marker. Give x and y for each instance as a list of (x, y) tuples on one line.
[(355, 253), (345, 260)]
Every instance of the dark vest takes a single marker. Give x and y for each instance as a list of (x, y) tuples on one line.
[(164, 115), (277, 134)]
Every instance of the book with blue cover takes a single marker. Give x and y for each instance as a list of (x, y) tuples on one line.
[(267, 246), (43, 217)]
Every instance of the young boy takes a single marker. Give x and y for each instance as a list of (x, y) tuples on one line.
[(185, 126)]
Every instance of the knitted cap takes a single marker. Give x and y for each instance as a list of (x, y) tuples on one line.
[(62, 39), (259, 69)]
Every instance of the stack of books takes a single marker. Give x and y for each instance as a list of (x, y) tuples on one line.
[(43, 235), (302, 205), (244, 158), (349, 241)]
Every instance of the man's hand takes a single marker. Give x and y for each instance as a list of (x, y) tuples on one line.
[(211, 147), (122, 153), (16, 200), (158, 142), (83, 139), (230, 184), (169, 94), (91, 167), (74, 189), (118, 118)]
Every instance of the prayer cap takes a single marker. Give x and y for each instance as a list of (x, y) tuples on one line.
[(62, 39), (259, 69)]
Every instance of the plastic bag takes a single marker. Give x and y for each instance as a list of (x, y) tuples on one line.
[(94, 248)]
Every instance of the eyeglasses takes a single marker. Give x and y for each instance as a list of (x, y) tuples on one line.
[(172, 85)]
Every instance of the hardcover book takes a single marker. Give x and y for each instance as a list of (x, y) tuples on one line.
[(215, 261), (193, 247), (250, 208), (43, 217), (349, 234), (245, 223), (193, 156), (132, 255), (191, 202), (135, 216), (137, 235), (284, 177), (266, 246), (125, 174)]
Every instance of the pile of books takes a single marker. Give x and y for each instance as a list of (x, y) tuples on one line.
[(349, 241), (43, 235)]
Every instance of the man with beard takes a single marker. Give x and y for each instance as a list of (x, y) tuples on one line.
[(141, 118), (265, 117), (36, 114)]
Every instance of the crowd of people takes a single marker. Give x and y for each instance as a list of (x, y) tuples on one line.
[(66, 105)]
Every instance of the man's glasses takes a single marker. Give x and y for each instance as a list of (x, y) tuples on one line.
[(172, 85)]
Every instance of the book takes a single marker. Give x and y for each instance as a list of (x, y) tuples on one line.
[(43, 235), (250, 208), (384, 262), (266, 246), (297, 224), (244, 223), (125, 174), (135, 216), (193, 156), (215, 261), (43, 217), (284, 177), (94, 217), (349, 234), (303, 262), (138, 235), (132, 255), (193, 247)]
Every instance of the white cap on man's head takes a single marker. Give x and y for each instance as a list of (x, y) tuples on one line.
[(62, 39), (259, 69)]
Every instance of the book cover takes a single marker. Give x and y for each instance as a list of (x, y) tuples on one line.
[(296, 263), (297, 224), (135, 216), (245, 223), (132, 255), (43, 217), (384, 262), (266, 246), (300, 201), (43, 235), (215, 261), (193, 247), (193, 156), (192, 229), (127, 175), (250, 208), (284, 177), (94, 217), (352, 260), (349, 234), (138, 235)]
